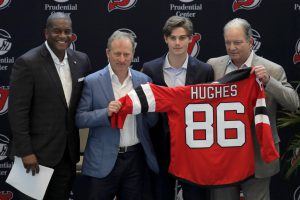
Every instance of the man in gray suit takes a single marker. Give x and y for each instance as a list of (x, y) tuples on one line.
[(45, 87), (238, 42), (114, 159)]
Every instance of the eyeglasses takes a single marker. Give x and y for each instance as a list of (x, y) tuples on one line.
[(180, 37)]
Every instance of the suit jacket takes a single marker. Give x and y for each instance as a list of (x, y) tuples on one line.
[(41, 122), (197, 72), (101, 150), (278, 93)]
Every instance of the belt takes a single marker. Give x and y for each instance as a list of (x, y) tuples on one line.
[(129, 148)]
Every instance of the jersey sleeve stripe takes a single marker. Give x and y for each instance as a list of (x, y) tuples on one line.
[(136, 106), (142, 98), (262, 119), (261, 110), (260, 102), (150, 97)]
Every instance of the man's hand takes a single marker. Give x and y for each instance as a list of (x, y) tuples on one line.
[(31, 164), (113, 107), (261, 73)]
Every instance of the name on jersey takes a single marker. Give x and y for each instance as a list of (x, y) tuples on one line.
[(212, 92)]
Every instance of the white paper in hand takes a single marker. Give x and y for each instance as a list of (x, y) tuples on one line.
[(33, 186)]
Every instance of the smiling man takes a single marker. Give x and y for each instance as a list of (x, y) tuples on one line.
[(45, 86)]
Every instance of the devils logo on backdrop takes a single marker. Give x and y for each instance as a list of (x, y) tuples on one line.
[(245, 4), (120, 4)]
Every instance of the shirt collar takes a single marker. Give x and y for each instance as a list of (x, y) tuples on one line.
[(54, 57), (167, 64), (113, 75), (248, 62)]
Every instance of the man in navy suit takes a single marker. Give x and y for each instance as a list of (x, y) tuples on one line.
[(176, 68), (45, 87), (115, 159)]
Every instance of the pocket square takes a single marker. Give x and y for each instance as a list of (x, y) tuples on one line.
[(80, 79)]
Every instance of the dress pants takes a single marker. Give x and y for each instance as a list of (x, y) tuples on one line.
[(253, 189), (62, 179), (125, 180), (193, 192)]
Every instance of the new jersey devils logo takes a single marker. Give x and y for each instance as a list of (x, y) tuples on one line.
[(130, 32), (6, 195), (297, 194), (245, 4), (4, 4), (74, 38), (120, 4), (3, 100), (242, 196), (4, 141), (256, 43), (5, 43), (194, 47), (296, 57)]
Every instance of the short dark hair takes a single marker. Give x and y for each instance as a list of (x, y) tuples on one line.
[(176, 22), (57, 15)]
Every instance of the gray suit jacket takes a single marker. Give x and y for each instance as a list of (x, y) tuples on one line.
[(101, 150), (278, 93)]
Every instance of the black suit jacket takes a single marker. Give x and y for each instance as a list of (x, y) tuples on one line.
[(41, 122), (197, 72)]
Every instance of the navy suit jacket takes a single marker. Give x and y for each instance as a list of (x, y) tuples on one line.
[(101, 150), (197, 72), (41, 122)]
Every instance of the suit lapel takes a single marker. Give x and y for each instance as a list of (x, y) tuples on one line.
[(220, 71), (72, 64), (160, 72), (136, 81), (254, 60), (190, 72), (50, 67), (105, 84)]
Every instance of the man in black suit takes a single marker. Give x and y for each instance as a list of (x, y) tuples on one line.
[(45, 87), (176, 68)]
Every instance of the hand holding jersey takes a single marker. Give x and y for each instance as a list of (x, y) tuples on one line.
[(261, 73)]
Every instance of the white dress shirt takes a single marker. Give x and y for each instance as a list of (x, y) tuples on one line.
[(63, 70), (128, 135)]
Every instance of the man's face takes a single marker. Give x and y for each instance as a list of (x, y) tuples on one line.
[(120, 55), (59, 36), (237, 46), (178, 41)]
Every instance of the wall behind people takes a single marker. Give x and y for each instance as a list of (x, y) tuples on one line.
[(276, 28)]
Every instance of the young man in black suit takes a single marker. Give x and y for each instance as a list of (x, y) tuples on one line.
[(176, 68), (45, 87)]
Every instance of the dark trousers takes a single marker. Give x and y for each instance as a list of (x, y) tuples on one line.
[(62, 179), (125, 181), (193, 192), (164, 185)]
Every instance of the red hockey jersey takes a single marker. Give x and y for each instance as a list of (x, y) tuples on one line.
[(210, 126)]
